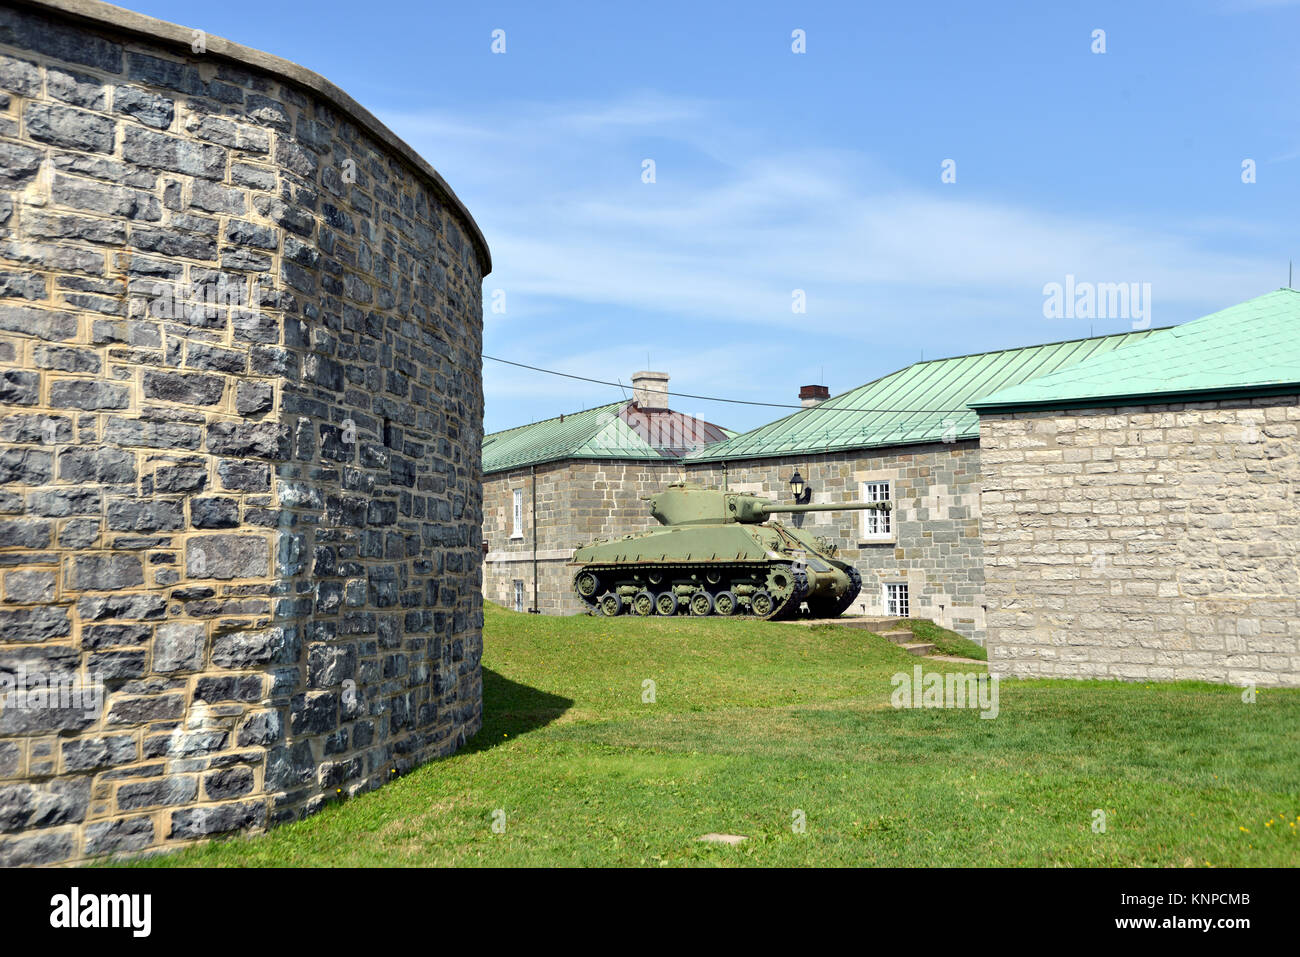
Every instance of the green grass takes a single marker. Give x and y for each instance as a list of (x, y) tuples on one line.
[(946, 642), (753, 721)]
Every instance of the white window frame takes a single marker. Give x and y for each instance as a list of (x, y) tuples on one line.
[(878, 526), (885, 602), (519, 594), (518, 514)]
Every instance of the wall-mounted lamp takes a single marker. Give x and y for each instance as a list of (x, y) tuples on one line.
[(802, 493)]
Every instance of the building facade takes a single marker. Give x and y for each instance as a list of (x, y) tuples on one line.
[(1141, 509), (535, 517), (907, 437), (922, 558), (553, 485)]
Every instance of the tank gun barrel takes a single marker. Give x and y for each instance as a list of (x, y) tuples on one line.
[(682, 504), (773, 508)]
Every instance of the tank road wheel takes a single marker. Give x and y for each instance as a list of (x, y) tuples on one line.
[(701, 604), (761, 604), (611, 606), (780, 581), (587, 584), (778, 587), (643, 604), (724, 603), (666, 604), (787, 585)]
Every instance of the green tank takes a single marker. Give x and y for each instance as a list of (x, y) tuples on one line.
[(717, 555)]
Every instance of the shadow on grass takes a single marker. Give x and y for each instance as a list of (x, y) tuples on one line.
[(511, 709)]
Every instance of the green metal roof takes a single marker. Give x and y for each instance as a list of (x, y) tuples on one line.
[(599, 433), (1250, 348), (925, 402)]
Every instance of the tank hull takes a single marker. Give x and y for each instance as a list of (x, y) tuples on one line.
[(734, 570)]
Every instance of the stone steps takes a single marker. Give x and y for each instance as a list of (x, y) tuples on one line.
[(891, 629), (904, 638), (920, 649), (877, 625)]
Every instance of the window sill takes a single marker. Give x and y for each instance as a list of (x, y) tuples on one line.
[(891, 540), (517, 538)]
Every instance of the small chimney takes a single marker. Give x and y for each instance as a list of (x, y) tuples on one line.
[(811, 395), (650, 391)]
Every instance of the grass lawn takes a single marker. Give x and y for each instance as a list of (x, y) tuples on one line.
[(754, 721)]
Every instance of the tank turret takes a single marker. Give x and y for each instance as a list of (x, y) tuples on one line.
[(718, 555)]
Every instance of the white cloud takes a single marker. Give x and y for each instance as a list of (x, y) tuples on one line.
[(705, 258)]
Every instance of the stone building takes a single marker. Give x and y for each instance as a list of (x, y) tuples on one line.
[(240, 430), (908, 438), (1141, 517), (553, 485)]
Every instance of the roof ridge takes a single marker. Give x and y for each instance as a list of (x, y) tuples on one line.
[(967, 355), (1039, 345), (837, 425)]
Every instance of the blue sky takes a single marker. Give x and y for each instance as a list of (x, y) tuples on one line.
[(777, 171)]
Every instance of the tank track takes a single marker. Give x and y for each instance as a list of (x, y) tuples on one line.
[(733, 578), (855, 586), (836, 607)]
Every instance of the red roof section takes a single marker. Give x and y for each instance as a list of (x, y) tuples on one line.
[(671, 434)]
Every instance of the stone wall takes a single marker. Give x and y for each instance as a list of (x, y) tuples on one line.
[(1146, 543), (240, 434), (577, 502), (935, 543)]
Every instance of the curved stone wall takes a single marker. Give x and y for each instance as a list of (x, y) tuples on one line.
[(240, 429)]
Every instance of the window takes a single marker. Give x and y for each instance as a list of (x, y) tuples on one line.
[(518, 528), (877, 524), (896, 602), (519, 595)]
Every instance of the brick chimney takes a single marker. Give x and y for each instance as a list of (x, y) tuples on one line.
[(650, 390), (811, 395)]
